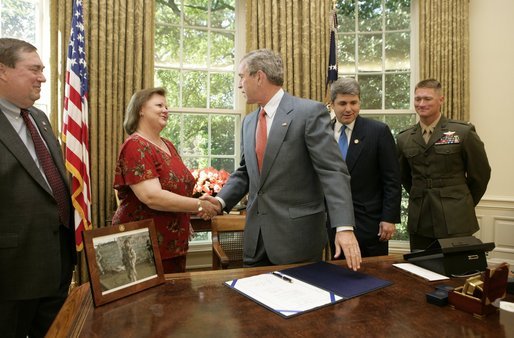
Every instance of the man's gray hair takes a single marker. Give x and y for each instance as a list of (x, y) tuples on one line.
[(267, 61), (344, 86)]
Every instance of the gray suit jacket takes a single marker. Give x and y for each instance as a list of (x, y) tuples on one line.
[(302, 167), (30, 236)]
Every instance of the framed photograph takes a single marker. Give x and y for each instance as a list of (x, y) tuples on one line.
[(122, 260)]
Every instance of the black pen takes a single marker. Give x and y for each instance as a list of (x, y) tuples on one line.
[(281, 276)]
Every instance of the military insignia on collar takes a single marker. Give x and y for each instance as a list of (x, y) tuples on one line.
[(449, 137)]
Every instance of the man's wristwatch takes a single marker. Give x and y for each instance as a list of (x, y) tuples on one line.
[(200, 206)]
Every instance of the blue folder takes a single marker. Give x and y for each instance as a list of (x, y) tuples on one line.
[(337, 279)]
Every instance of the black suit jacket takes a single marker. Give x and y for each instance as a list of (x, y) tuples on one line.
[(36, 253), (375, 178)]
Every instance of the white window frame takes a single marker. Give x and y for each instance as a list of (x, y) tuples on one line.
[(239, 102), (414, 65), (204, 246)]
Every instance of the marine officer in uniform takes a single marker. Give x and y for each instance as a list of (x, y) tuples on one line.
[(444, 168)]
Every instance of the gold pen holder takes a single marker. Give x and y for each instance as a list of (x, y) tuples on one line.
[(478, 293)]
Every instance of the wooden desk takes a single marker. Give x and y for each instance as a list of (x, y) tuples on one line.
[(196, 304)]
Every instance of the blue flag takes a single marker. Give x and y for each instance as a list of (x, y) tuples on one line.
[(332, 57)]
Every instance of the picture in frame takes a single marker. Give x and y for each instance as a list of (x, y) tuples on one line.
[(122, 260)]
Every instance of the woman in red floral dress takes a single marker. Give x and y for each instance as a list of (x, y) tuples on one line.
[(153, 182)]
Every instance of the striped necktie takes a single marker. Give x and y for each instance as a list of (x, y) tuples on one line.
[(52, 174)]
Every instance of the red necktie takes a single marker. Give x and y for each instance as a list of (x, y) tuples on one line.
[(261, 137), (50, 169)]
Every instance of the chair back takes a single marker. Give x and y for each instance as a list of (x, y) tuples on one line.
[(227, 241)]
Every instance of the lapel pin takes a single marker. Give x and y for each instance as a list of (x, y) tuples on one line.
[(284, 124), (356, 141)]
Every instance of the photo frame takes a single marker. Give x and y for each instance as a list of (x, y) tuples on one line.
[(122, 260)]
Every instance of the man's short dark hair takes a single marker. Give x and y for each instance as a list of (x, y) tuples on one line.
[(10, 50)]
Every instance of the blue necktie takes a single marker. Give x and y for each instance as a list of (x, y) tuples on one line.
[(343, 142)]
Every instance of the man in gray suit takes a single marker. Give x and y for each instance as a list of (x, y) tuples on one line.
[(37, 249), (300, 168)]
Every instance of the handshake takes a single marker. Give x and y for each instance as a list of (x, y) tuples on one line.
[(208, 207)]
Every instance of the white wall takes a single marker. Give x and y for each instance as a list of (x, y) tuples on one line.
[(492, 88), (492, 112)]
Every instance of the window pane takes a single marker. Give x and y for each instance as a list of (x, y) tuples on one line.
[(19, 20), (402, 233), (223, 14), (371, 91), (399, 122), (397, 92), (346, 53), (222, 50), (194, 89), (227, 164), (195, 139), (346, 15), (196, 162), (370, 53), (195, 48), (222, 134), (370, 15), (167, 47), (397, 14), (170, 80), (196, 12), (168, 12), (172, 129), (222, 90), (396, 122), (397, 51)]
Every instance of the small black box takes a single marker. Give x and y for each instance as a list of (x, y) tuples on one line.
[(452, 256), (438, 297), (444, 287)]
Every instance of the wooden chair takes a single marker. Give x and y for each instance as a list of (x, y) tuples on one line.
[(227, 241)]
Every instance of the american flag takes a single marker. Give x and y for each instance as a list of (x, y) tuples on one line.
[(75, 125), (332, 56)]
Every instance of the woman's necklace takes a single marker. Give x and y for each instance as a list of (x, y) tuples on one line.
[(160, 144)]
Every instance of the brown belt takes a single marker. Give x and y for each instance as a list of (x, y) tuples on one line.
[(437, 182)]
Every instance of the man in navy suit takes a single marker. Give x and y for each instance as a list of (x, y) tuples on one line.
[(37, 249), (370, 154), (289, 177)]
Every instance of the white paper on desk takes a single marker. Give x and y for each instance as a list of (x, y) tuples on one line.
[(419, 271), (285, 298)]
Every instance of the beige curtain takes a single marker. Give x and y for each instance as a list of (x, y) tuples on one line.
[(444, 51), (300, 32), (119, 54)]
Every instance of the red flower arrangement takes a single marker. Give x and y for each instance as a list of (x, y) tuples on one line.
[(209, 181)]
